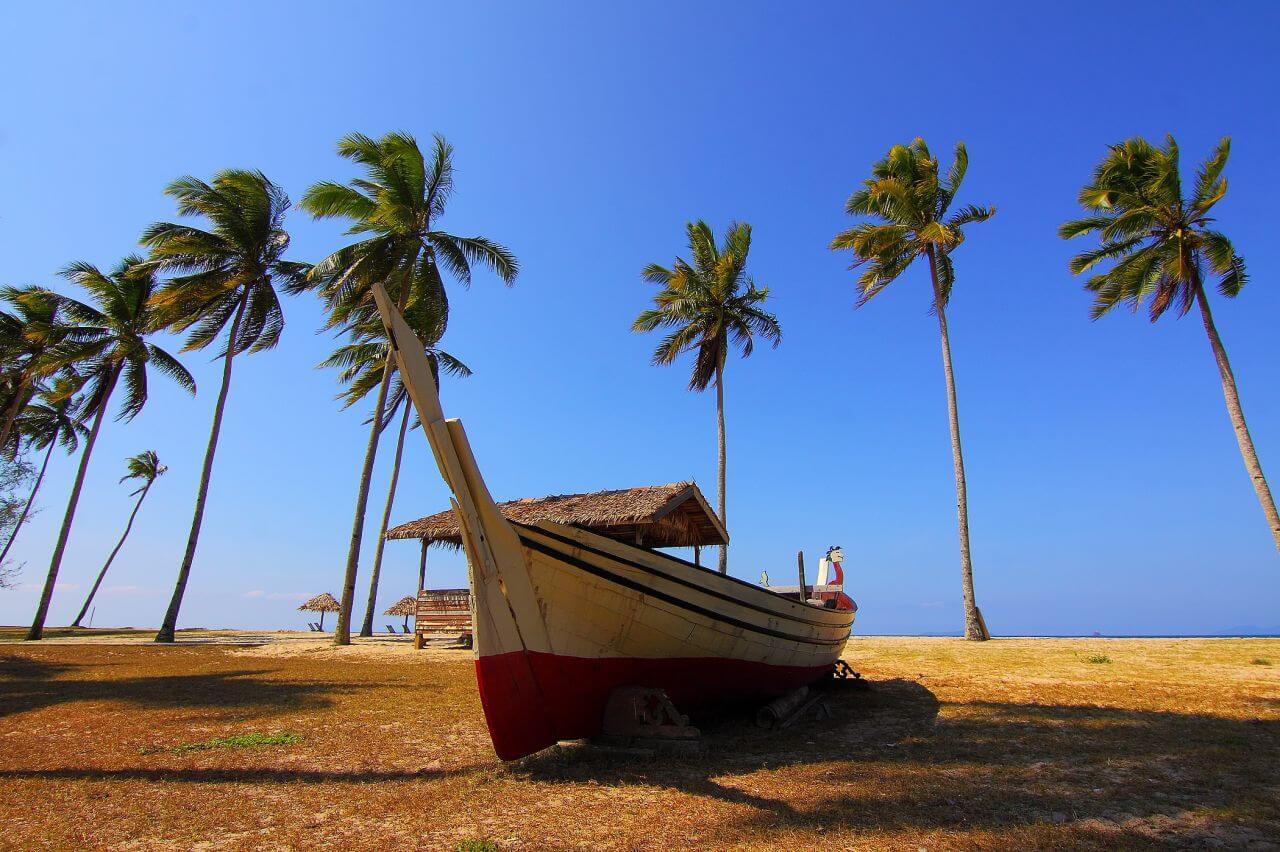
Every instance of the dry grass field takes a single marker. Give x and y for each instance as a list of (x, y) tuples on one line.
[(1016, 743)]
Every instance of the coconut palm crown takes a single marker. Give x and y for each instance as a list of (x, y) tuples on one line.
[(906, 194), (708, 303), (395, 209), (226, 274), (1160, 245), (145, 466)]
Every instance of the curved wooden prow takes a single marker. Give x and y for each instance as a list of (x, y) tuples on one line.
[(506, 617)]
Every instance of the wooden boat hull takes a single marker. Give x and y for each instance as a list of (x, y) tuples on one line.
[(562, 616), (616, 616)]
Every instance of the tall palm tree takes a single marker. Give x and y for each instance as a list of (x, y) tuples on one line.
[(225, 281), (1163, 245), (145, 466), (362, 362), (51, 421), (110, 339), (394, 209), (31, 338), (708, 303), (911, 203)]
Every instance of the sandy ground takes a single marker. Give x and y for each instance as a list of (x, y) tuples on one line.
[(1016, 743)]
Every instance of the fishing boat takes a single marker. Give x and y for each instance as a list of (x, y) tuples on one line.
[(563, 616)]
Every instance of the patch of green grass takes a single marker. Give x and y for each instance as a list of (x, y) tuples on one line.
[(475, 846), (1258, 661), (1097, 659), (239, 741)]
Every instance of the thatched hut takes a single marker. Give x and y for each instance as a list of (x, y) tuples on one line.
[(321, 604), (672, 515), (406, 606)]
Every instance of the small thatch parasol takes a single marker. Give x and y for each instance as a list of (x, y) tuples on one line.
[(321, 604), (406, 606)]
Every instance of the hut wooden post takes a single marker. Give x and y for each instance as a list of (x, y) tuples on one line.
[(422, 583), (800, 567), (322, 620), (697, 555)]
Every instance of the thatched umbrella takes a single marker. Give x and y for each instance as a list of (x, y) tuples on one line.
[(406, 606), (321, 604)]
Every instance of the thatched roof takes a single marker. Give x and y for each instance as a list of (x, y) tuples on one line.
[(673, 515), (407, 605), (321, 603)]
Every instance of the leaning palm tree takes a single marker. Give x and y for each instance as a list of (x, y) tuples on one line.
[(708, 303), (52, 420), (1163, 246), (145, 466), (225, 280), (31, 338), (362, 362), (911, 203), (111, 344), (395, 211)]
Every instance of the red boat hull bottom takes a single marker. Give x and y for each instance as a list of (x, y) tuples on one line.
[(533, 700)]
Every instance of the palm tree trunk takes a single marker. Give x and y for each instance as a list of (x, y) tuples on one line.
[(973, 628), (1243, 438), (42, 609), (720, 508), (342, 630), (170, 623), (119, 544), (30, 501), (367, 628)]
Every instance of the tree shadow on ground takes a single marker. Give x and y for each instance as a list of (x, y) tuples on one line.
[(1100, 775), (28, 683)]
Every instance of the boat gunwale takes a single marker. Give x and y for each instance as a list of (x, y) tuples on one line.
[(772, 596), (609, 576)]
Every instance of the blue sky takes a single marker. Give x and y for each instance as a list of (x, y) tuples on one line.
[(1106, 489)]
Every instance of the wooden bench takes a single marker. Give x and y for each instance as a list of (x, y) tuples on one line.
[(443, 611)]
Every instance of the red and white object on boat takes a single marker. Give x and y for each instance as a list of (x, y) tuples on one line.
[(563, 616)]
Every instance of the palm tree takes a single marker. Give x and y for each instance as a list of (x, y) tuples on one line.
[(226, 277), (53, 420), (707, 304), (145, 466), (110, 341), (1163, 245), (362, 362), (395, 209), (905, 193), (30, 347)]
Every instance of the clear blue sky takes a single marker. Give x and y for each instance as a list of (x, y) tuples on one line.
[(1106, 489)]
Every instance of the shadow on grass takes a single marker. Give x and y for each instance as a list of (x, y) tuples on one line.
[(30, 684), (1106, 774), (233, 776)]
